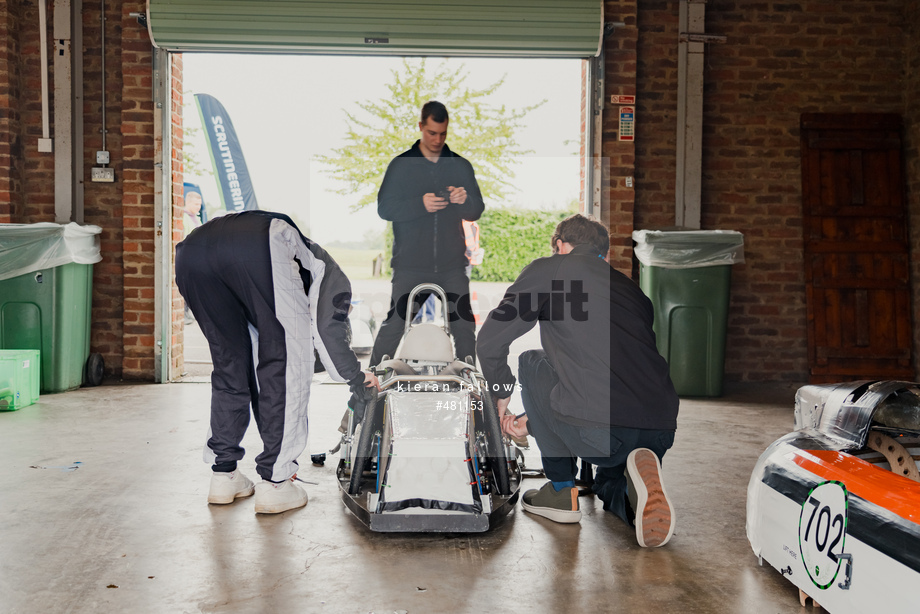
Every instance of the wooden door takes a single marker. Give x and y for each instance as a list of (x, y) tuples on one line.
[(857, 259)]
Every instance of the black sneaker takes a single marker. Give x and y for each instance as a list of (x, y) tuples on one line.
[(559, 506), (647, 498)]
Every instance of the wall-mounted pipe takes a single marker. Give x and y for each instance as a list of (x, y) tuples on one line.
[(63, 112), (102, 31), (44, 143)]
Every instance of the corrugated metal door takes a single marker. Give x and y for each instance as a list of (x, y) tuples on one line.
[(529, 28)]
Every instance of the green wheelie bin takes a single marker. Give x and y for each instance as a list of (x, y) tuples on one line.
[(687, 276), (46, 277)]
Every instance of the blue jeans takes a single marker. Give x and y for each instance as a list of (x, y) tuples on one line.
[(562, 444)]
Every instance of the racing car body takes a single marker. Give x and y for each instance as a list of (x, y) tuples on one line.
[(835, 505), (426, 453)]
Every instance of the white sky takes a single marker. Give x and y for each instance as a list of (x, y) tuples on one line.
[(288, 109)]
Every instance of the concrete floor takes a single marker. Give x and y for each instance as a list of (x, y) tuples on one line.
[(129, 529)]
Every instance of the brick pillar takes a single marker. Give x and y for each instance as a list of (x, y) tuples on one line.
[(618, 201), (103, 202), (137, 196), (10, 123)]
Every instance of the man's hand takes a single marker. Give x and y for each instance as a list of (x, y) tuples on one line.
[(514, 426), (457, 195), (371, 380), (433, 203), (501, 405)]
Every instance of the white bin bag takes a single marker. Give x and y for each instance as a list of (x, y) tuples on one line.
[(25, 248), (688, 249)]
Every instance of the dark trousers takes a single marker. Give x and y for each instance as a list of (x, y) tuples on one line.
[(228, 281), (562, 444), (462, 323)]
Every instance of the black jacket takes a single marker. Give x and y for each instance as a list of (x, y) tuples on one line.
[(596, 329), (423, 241)]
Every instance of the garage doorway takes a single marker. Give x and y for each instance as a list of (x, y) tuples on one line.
[(546, 30)]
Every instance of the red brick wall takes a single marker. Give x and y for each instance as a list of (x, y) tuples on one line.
[(103, 201), (33, 198), (10, 112), (619, 200), (781, 59), (123, 282)]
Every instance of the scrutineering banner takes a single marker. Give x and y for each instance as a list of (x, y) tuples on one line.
[(236, 191)]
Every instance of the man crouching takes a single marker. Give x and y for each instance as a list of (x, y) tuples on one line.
[(598, 390)]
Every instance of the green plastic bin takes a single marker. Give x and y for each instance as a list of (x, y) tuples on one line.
[(687, 276), (48, 308)]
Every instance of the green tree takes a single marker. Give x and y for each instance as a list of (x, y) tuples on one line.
[(479, 131)]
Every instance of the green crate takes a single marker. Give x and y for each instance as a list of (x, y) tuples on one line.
[(20, 378)]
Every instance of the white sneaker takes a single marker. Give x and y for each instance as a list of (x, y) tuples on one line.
[(225, 487), (654, 512), (272, 498)]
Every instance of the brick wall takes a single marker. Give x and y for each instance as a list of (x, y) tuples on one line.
[(103, 201), (10, 107), (618, 200), (123, 282), (33, 200), (781, 59), (136, 111)]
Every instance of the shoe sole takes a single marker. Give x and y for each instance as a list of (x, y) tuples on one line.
[(215, 500), (279, 507), (654, 513)]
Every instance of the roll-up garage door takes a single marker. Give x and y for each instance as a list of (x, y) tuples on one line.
[(531, 28)]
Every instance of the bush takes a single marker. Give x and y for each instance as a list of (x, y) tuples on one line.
[(511, 239)]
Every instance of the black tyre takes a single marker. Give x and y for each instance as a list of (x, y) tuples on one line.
[(496, 448), (365, 440), (94, 370)]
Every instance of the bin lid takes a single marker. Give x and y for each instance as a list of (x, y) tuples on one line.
[(684, 249), (25, 248)]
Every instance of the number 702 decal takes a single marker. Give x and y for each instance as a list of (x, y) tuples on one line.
[(822, 531)]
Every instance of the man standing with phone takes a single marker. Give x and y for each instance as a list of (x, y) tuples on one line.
[(426, 192)]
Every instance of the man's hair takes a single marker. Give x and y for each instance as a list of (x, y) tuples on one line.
[(435, 110), (581, 229)]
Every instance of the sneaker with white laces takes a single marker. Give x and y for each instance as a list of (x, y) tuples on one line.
[(274, 498), (225, 487), (648, 499), (558, 506)]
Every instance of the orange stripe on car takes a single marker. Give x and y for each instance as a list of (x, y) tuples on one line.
[(888, 490)]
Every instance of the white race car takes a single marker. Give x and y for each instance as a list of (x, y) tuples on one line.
[(426, 453), (835, 505)]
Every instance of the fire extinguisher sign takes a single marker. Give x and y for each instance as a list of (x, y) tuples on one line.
[(627, 124)]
